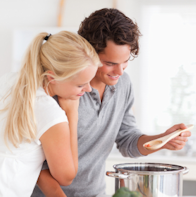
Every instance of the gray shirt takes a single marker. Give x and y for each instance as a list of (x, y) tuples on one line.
[(100, 125)]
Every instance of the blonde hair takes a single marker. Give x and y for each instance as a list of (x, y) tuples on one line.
[(65, 54)]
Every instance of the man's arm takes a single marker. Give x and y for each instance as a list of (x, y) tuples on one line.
[(130, 140), (49, 186)]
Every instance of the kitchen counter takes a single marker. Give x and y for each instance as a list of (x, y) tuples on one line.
[(111, 196), (104, 196)]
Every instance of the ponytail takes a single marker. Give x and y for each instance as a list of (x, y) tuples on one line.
[(21, 122)]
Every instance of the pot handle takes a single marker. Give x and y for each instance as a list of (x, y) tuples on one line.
[(117, 175), (186, 170)]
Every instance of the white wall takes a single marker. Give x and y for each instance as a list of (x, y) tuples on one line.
[(16, 14)]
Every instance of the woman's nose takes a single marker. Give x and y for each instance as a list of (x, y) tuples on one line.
[(88, 88)]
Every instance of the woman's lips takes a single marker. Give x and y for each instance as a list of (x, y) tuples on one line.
[(113, 77), (81, 94)]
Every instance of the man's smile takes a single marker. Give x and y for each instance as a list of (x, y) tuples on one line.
[(114, 77)]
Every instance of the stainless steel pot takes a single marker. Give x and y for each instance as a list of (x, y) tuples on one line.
[(150, 179)]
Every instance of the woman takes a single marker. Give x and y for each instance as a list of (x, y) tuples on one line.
[(33, 127)]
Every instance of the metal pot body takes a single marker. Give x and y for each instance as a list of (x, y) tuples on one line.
[(150, 179)]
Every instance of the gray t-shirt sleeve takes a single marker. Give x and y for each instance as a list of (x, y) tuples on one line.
[(128, 134)]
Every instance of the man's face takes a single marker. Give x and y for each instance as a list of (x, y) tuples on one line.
[(114, 59)]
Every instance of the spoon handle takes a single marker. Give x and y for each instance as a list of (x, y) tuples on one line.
[(176, 133)]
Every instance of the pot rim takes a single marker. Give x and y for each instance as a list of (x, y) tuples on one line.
[(179, 169)]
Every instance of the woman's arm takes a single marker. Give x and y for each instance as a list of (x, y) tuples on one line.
[(57, 149), (71, 109), (60, 146), (49, 186)]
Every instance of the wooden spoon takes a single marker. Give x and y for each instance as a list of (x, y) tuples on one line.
[(159, 142)]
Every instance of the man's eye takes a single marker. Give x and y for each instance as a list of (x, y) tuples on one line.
[(80, 86)]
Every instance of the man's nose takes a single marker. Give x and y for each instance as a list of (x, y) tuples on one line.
[(119, 69)]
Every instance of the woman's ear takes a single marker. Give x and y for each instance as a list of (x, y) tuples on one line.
[(50, 78)]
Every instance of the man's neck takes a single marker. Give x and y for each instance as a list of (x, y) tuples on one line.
[(99, 85)]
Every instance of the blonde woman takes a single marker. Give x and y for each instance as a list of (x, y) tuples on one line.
[(33, 127)]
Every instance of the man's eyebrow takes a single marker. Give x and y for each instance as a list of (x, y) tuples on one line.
[(114, 62), (110, 62)]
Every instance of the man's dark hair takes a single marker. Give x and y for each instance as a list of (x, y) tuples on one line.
[(110, 24)]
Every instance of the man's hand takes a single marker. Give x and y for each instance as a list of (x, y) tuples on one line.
[(175, 144), (178, 142)]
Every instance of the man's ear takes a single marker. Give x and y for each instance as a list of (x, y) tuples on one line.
[(50, 78)]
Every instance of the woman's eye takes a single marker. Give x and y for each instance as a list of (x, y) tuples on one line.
[(108, 64), (80, 86)]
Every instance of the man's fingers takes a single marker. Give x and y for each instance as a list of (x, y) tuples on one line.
[(179, 126), (179, 138), (170, 146), (179, 142), (176, 127), (177, 146), (186, 134)]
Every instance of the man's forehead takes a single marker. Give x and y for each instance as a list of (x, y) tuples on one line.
[(114, 59)]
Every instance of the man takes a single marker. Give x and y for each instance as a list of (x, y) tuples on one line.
[(104, 113)]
